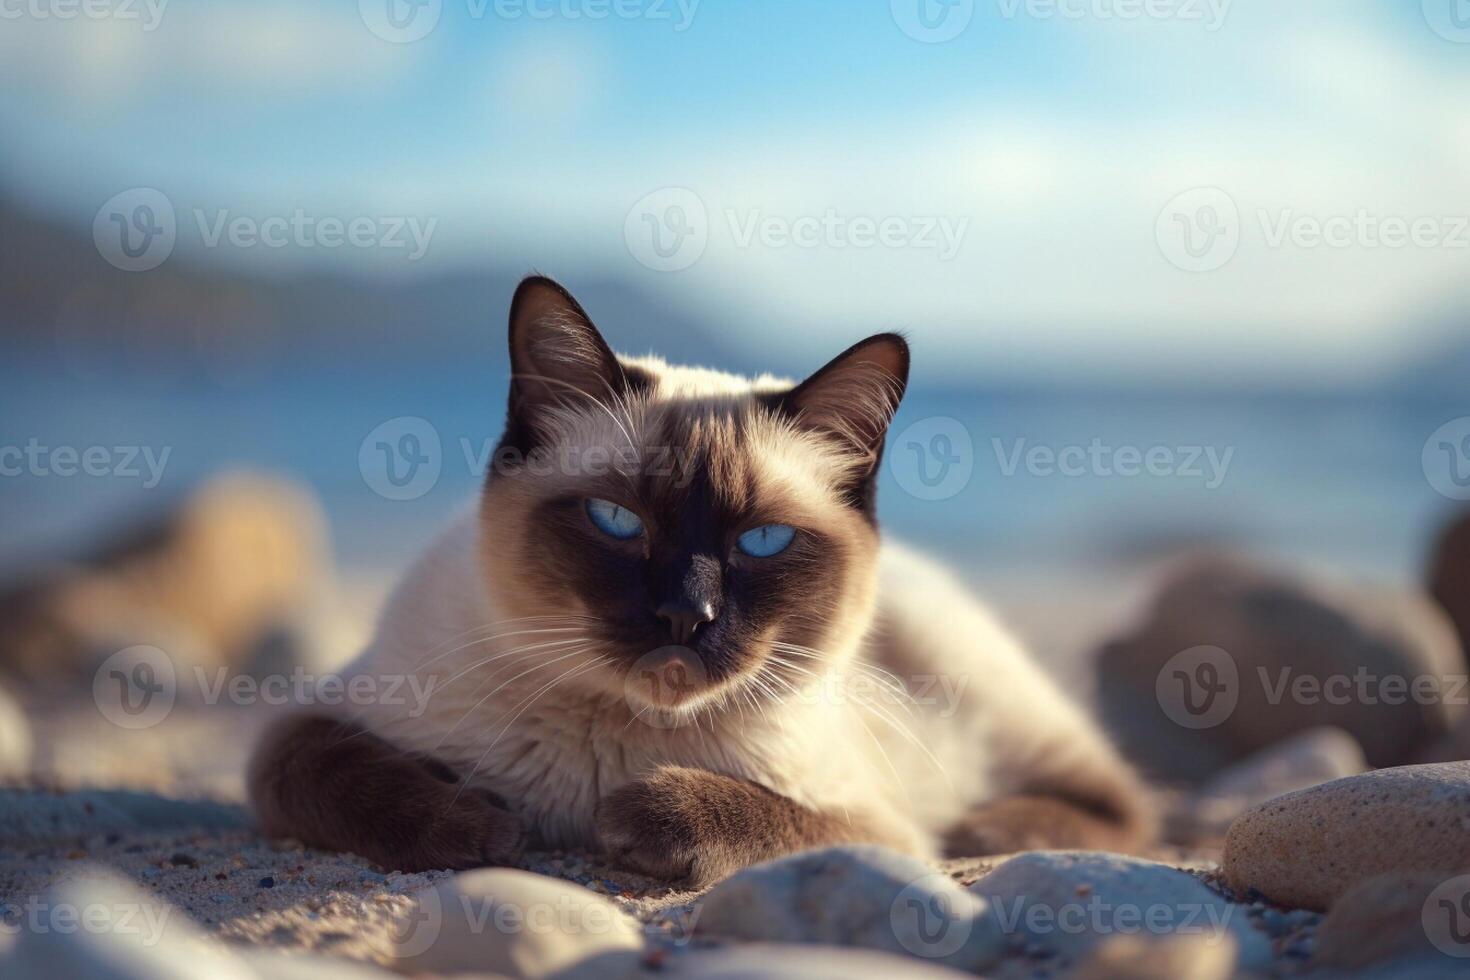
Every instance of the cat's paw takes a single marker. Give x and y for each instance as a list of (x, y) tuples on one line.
[(668, 826), (1030, 823), (471, 832)]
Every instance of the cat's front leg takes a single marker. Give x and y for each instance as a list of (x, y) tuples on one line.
[(697, 827), (335, 785)]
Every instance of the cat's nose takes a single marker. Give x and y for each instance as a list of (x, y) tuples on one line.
[(685, 618)]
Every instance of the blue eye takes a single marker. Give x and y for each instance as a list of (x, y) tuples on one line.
[(766, 540), (613, 520)]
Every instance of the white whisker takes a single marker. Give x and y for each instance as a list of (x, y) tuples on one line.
[(476, 706)]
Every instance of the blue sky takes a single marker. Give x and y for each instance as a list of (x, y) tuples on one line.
[(1049, 144)]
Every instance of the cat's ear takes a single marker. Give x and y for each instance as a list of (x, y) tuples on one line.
[(854, 396), (557, 357)]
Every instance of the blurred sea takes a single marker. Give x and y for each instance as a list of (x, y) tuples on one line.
[(1333, 480)]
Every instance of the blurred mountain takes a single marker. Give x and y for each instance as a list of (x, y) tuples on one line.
[(58, 295), (57, 292)]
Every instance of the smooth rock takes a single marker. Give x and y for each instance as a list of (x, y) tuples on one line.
[(1384, 918), (274, 965), (1309, 759), (859, 896), (1062, 906), (1418, 968), (1449, 574), (1177, 957), (16, 745), (1296, 651), (102, 928), (224, 572), (522, 925), (770, 961), (1307, 848)]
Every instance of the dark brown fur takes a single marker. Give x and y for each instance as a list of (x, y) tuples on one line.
[(1028, 823), (696, 827), (333, 785)]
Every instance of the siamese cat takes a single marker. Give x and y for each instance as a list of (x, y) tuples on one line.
[(671, 632)]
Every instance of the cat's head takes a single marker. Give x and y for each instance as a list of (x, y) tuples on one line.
[(651, 517)]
